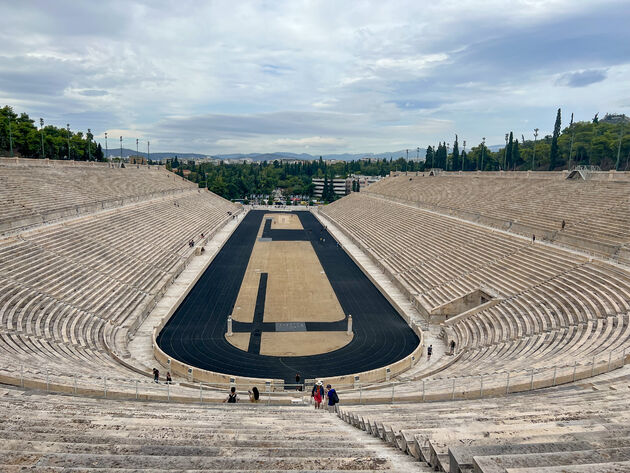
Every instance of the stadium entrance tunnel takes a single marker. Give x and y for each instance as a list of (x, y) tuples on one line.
[(465, 305), (289, 290)]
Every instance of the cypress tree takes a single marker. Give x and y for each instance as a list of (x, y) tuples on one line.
[(508, 152), (554, 153), (429, 157), (455, 156), (516, 154)]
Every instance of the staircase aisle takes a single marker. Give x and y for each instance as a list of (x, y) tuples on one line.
[(49, 433)]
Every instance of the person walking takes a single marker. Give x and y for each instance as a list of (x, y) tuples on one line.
[(156, 375), (298, 387), (333, 398), (452, 345), (318, 394), (429, 352), (169, 380)]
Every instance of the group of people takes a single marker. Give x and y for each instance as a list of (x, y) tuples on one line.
[(318, 393), (156, 376)]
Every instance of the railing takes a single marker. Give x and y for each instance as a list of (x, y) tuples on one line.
[(423, 390)]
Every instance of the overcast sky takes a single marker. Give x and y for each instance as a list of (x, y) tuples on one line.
[(316, 77)]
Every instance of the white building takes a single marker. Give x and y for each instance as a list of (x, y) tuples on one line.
[(341, 187)]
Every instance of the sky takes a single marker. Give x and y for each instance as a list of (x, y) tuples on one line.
[(316, 77)]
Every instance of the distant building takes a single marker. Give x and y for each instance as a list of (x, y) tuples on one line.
[(363, 181), (341, 187), (135, 159)]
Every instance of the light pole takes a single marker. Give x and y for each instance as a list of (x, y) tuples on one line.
[(68, 129), (534, 154), (463, 154), (407, 155), (10, 138), (623, 121), (89, 137), (148, 151), (572, 137), (106, 148), (448, 145), (41, 132), (121, 151), (483, 148), (137, 152), (418, 153)]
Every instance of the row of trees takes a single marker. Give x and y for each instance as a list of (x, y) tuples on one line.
[(604, 143), (19, 136), (236, 181)]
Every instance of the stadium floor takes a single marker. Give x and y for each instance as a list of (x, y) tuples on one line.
[(195, 334)]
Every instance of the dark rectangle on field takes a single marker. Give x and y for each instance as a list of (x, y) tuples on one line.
[(290, 326), (195, 334), (259, 314)]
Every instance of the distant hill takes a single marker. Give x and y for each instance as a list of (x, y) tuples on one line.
[(342, 157), (126, 152), (115, 153)]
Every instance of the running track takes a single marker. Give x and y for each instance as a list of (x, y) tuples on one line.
[(195, 333)]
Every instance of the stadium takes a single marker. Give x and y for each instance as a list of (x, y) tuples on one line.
[(518, 281)]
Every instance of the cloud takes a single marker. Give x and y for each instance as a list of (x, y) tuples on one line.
[(93, 92), (583, 78), (365, 76)]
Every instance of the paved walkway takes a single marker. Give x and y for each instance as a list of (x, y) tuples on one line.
[(141, 345), (392, 292)]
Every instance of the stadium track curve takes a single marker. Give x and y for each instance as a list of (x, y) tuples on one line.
[(195, 333)]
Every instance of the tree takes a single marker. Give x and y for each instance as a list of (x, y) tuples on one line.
[(429, 157), (455, 156), (554, 153), (508, 152), (516, 155), (98, 154)]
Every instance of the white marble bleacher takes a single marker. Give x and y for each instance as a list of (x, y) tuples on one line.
[(49, 433), (67, 288), (589, 418), (31, 193), (556, 307), (594, 211)]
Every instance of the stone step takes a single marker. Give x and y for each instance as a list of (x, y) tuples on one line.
[(461, 457), (123, 448), (503, 463), (612, 467), (244, 462), (161, 439)]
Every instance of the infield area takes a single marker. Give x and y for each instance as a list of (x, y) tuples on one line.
[(289, 288)]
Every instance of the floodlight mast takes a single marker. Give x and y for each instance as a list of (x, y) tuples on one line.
[(106, 148), (534, 154), (68, 128), (483, 148), (41, 132)]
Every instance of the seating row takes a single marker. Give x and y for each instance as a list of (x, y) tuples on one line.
[(595, 213), (583, 427)]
